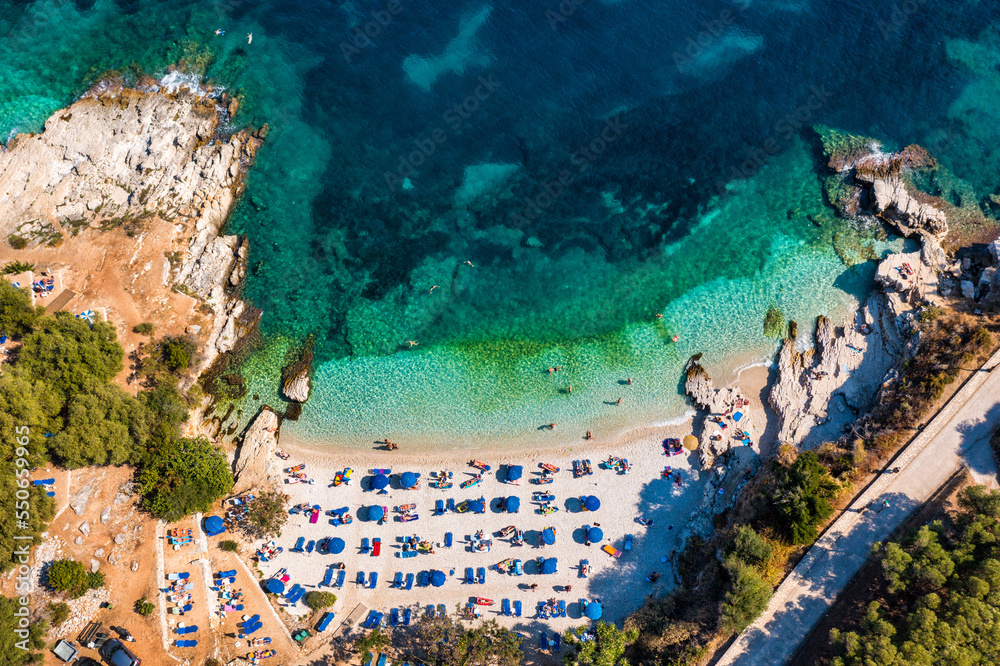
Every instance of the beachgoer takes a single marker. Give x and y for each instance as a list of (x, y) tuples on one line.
[(551, 370), (659, 316), (569, 389), (433, 288), (569, 588), (470, 264), (557, 368), (589, 436), (676, 338), (249, 38), (220, 32), (552, 426), (534, 586), (412, 343), (619, 401), (630, 380)]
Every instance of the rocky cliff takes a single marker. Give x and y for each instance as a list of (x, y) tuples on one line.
[(120, 157), (255, 459)]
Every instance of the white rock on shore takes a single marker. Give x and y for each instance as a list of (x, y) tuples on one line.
[(297, 386), (255, 457)]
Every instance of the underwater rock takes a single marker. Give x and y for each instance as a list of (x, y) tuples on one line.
[(297, 388)]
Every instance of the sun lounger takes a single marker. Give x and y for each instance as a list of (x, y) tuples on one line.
[(470, 577), (298, 545), (394, 618), (340, 578), (370, 621), (361, 578), (187, 643), (451, 503), (255, 627), (506, 607), (406, 617), (409, 581), (442, 610), (481, 575), (431, 611), (517, 608), (382, 659), (376, 547), (372, 580), (291, 592), (562, 608), (543, 641), (439, 508), (328, 577), (406, 554), (448, 539), (364, 546), (425, 579), (556, 642), (226, 574), (368, 657), (298, 595), (325, 622), (310, 546), (184, 575), (398, 580), (187, 630)]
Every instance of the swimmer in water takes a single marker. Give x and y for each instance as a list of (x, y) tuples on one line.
[(220, 32), (249, 38)]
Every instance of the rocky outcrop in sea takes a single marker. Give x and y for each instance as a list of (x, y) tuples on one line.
[(120, 156)]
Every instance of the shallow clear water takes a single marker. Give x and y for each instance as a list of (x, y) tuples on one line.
[(628, 159)]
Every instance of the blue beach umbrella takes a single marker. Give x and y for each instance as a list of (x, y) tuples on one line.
[(336, 545), (591, 503), (549, 565), (477, 506), (380, 481), (375, 513), (548, 536), (594, 610), (437, 578), (594, 534), (214, 524), (408, 479), (512, 505), (274, 586), (514, 472)]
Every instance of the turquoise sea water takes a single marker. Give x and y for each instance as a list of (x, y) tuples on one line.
[(595, 167)]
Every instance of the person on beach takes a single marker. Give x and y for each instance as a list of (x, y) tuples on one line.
[(588, 435), (630, 381), (569, 588), (619, 401), (534, 586), (569, 389), (552, 426)]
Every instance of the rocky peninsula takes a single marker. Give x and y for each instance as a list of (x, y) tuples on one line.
[(124, 194)]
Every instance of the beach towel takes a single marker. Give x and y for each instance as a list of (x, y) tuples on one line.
[(376, 547)]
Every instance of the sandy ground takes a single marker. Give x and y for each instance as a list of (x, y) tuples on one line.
[(643, 491), (119, 276)]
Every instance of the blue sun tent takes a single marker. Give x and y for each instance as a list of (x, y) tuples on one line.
[(512, 504), (591, 503), (514, 472), (214, 525), (477, 506), (548, 536), (594, 610), (375, 513), (380, 481), (594, 534), (337, 545), (274, 586), (437, 578), (408, 479), (549, 565)]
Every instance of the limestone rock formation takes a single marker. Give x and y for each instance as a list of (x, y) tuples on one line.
[(119, 156), (710, 400), (81, 498), (296, 387), (255, 456)]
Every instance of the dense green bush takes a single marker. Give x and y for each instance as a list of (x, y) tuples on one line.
[(145, 328), (71, 577), (13, 655), (70, 356), (144, 607), (801, 496), (17, 314), (750, 547), (608, 649), (58, 613), (184, 476), (229, 546), (317, 600), (943, 590), (266, 515), (747, 597), (15, 267)]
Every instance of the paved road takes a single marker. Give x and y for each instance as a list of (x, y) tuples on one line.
[(958, 436)]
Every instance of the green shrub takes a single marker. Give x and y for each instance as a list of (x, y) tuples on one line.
[(15, 267), (58, 612), (183, 477), (145, 328), (266, 515), (317, 600), (17, 315), (177, 353), (17, 242), (144, 608), (929, 314), (750, 547), (229, 546), (69, 576), (800, 497), (746, 599)]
